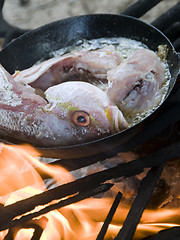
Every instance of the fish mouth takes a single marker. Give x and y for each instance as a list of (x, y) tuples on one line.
[(116, 118)]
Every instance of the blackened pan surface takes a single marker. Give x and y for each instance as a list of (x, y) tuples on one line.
[(37, 44)]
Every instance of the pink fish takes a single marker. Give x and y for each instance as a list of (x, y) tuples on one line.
[(69, 113), (80, 65), (134, 84)]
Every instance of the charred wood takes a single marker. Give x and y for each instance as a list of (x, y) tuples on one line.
[(7, 223), (160, 195), (139, 204), (38, 225), (109, 217)]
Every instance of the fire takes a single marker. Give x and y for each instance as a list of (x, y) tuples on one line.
[(21, 176)]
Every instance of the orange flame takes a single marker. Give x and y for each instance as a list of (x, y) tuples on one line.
[(20, 178)]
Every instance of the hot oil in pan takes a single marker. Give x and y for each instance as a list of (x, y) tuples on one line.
[(126, 47)]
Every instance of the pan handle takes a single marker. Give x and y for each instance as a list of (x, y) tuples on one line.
[(8, 31)]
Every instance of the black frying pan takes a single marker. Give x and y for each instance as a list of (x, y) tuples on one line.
[(34, 45)]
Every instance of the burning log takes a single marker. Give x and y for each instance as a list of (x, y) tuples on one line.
[(145, 191)]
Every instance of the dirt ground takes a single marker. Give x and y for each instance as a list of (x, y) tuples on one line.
[(39, 12)]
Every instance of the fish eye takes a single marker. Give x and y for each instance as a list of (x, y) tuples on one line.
[(81, 118)]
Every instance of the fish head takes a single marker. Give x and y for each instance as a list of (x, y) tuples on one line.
[(84, 111)]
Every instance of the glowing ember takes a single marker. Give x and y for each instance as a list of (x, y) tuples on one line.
[(21, 177)]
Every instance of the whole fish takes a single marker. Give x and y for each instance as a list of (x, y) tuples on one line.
[(134, 85), (79, 65), (68, 113)]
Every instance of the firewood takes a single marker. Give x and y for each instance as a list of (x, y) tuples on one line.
[(109, 217), (139, 204), (6, 223), (38, 225)]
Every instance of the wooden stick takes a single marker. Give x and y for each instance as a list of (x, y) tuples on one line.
[(102, 188), (109, 217), (145, 191), (38, 225)]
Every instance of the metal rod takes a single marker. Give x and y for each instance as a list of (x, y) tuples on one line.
[(139, 8)]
